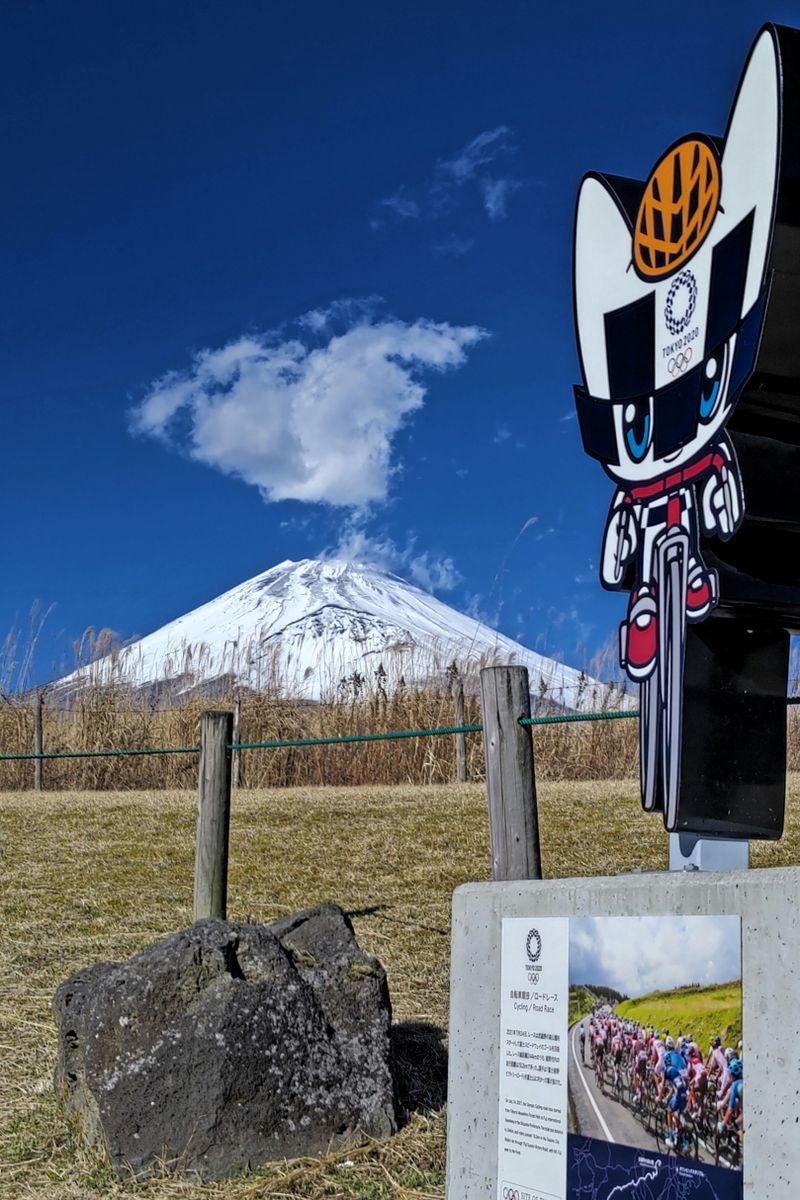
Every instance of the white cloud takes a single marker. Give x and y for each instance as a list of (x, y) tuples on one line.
[(474, 164), (306, 417), (495, 196), (479, 153), (430, 571), (455, 246), (478, 610), (403, 205), (502, 434), (637, 955), (434, 572)]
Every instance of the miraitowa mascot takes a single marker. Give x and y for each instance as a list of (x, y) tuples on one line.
[(670, 284)]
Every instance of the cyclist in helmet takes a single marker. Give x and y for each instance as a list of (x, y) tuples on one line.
[(716, 1062), (730, 1106), (698, 1080), (675, 1079)]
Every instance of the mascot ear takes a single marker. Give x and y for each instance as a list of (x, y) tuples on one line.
[(604, 278), (750, 159)]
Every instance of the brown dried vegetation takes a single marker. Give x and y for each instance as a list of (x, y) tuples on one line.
[(88, 876), (100, 718)]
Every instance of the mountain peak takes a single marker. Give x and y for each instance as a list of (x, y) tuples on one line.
[(304, 626)]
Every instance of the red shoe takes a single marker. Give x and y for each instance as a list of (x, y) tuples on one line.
[(638, 636), (700, 594)]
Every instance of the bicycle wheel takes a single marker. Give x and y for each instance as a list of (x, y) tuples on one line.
[(624, 1086), (710, 1109), (649, 776), (727, 1149), (672, 641), (643, 1109), (652, 1110), (688, 1141), (659, 1130)]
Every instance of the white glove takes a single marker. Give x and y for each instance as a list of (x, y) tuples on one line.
[(619, 542), (722, 502)]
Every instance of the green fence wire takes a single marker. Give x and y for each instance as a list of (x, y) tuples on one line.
[(357, 737), (570, 718), (349, 739), (100, 753)]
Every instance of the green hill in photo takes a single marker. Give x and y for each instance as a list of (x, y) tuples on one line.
[(703, 1012), (585, 997), (581, 1003)]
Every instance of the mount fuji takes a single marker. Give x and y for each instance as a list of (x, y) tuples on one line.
[(302, 627)]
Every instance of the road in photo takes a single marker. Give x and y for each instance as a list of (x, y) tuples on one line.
[(655, 1043)]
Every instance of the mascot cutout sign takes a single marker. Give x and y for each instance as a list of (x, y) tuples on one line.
[(671, 283)]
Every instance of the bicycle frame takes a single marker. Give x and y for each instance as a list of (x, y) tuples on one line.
[(661, 694)]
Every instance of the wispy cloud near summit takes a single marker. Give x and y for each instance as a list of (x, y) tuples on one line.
[(431, 571)]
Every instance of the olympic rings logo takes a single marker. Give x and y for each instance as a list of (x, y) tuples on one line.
[(533, 936), (510, 1193), (680, 362), (685, 281)]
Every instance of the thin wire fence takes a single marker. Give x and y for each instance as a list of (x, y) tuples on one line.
[(349, 739), (595, 754), (291, 743)]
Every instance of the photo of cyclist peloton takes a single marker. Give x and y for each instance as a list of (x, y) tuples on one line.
[(656, 1057)]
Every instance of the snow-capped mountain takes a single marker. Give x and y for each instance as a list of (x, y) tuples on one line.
[(305, 626)]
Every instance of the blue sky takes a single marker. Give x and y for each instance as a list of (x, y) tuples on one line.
[(287, 278)]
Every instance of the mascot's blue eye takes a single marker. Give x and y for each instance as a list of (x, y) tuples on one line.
[(709, 403), (711, 385), (637, 424)]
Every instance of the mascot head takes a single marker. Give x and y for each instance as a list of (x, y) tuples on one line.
[(670, 286)]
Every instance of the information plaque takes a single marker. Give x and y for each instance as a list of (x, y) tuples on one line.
[(532, 1124), (621, 1066)]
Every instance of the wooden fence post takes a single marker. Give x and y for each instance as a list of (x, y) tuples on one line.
[(38, 742), (462, 773), (213, 816), (510, 779), (236, 761)]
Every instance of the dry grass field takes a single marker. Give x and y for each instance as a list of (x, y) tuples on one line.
[(87, 876)]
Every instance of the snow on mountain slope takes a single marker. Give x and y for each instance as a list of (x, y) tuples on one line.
[(307, 625)]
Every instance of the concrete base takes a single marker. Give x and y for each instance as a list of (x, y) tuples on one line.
[(768, 902)]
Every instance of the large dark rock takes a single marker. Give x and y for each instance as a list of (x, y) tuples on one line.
[(225, 1046)]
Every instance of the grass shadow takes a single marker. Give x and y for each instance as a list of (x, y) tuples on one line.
[(419, 1055)]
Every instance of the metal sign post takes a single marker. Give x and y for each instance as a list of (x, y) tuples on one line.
[(690, 853)]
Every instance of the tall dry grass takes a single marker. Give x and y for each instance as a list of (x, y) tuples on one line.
[(100, 717), (103, 715)]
